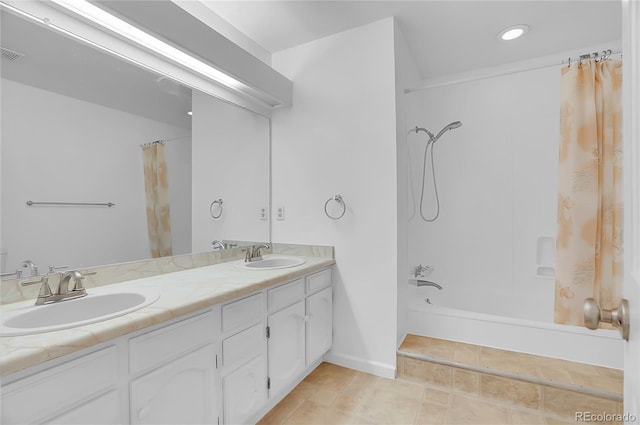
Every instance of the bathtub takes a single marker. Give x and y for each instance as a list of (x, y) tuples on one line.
[(441, 319)]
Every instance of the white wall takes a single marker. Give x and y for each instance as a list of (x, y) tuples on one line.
[(56, 148), (340, 138), (407, 75), (230, 158), (497, 185)]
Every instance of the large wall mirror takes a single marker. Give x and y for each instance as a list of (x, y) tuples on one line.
[(73, 123)]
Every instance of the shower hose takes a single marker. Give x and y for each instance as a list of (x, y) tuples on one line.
[(435, 184)]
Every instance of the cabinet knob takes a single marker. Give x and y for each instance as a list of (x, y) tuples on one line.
[(142, 413)]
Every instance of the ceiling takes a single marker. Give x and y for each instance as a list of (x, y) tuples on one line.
[(65, 66), (445, 37)]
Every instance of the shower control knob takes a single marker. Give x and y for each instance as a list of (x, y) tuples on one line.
[(618, 317)]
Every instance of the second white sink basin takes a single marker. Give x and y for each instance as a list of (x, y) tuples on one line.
[(95, 307), (272, 262)]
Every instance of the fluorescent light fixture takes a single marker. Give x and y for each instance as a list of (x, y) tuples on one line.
[(513, 32), (117, 25), (21, 13)]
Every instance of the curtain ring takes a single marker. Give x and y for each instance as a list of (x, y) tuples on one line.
[(339, 200), (219, 203)]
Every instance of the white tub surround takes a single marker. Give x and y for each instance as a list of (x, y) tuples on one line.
[(601, 347), (181, 293)]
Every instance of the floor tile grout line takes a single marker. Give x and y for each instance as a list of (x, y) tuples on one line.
[(515, 376)]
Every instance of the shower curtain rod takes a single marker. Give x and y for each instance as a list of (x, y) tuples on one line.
[(164, 141), (492, 72)]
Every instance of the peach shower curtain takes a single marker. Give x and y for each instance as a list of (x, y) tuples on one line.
[(589, 239), (156, 187)]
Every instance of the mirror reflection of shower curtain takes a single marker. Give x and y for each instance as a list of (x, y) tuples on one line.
[(589, 239), (156, 187)]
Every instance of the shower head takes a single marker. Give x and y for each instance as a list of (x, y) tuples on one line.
[(451, 126), (432, 138)]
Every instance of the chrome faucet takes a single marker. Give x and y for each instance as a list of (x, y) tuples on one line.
[(29, 265), (429, 283), (63, 286), (46, 296), (218, 245), (252, 253), (257, 255)]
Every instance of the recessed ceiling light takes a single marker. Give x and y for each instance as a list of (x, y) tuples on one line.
[(190, 113), (513, 32)]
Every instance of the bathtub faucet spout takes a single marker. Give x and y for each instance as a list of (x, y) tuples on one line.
[(429, 283)]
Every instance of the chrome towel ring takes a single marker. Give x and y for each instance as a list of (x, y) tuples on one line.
[(338, 199), (217, 202)]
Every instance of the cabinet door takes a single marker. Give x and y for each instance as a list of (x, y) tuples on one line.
[(286, 346), (319, 324), (181, 392), (244, 391), (102, 410), (62, 389)]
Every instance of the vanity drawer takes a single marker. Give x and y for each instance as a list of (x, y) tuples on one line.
[(243, 346), (157, 347), (54, 390), (318, 281), (241, 314), (285, 295)]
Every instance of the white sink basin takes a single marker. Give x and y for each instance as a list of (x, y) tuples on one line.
[(272, 262), (95, 307)]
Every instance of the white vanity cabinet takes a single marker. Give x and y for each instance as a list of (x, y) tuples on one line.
[(181, 392), (79, 391), (174, 369), (286, 346), (229, 363), (299, 328), (319, 325), (244, 372)]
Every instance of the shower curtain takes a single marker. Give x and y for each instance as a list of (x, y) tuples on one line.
[(589, 239), (156, 187)]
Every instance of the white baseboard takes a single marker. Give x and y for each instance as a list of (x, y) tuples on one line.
[(363, 365)]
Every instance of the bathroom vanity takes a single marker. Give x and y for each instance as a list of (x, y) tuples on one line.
[(228, 362)]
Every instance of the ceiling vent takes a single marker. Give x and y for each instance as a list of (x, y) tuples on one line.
[(10, 55)]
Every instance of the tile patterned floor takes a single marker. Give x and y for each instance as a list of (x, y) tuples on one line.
[(437, 394), (335, 395), (557, 370)]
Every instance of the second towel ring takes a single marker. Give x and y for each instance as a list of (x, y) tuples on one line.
[(219, 203), (339, 200)]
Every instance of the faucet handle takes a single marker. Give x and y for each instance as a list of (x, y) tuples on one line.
[(45, 289), (45, 293), (53, 268)]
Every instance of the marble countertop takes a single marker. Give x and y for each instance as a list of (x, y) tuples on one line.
[(181, 293)]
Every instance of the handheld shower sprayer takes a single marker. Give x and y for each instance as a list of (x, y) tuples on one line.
[(432, 141), (432, 138)]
